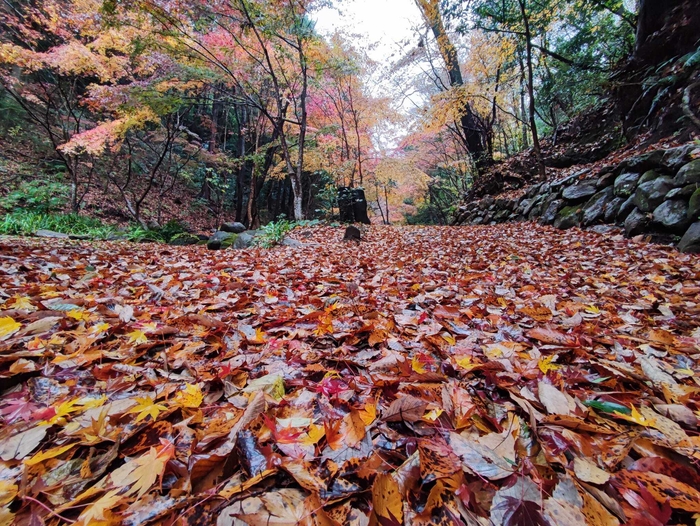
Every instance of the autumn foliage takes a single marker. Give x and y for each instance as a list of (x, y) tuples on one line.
[(479, 375)]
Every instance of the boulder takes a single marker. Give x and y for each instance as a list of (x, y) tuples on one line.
[(672, 214), (625, 208), (626, 183), (579, 192), (647, 176), (690, 242), (550, 212), (651, 194), (613, 209), (689, 174), (694, 205), (568, 217), (524, 206), (51, 234), (605, 180), (294, 243), (246, 239), (233, 228), (686, 191), (184, 239), (221, 239), (595, 207), (674, 158), (636, 223)]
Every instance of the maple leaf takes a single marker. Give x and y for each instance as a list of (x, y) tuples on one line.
[(137, 336), (635, 417), (8, 327), (45, 455), (21, 303), (313, 435), (146, 406), (190, 397), (545, 364), (141, 473)]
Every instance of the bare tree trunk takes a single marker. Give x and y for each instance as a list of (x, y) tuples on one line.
[(531, 89)]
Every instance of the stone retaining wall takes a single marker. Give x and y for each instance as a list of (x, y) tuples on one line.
[(656, 193)]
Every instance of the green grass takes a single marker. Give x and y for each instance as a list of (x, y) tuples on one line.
[(23, 222)]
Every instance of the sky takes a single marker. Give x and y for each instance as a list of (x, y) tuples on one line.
[(384, 24)]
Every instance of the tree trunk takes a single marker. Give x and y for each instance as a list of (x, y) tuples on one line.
[(472, 134), (531, 89)]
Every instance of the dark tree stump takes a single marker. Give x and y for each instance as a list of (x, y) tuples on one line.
[(352, 204), (352, 233)]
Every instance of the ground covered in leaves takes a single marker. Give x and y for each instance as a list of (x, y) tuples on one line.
[(511, 375)]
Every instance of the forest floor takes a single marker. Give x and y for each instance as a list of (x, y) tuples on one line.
[(511, 374)]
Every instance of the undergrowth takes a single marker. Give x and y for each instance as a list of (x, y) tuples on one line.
[(24, 222)]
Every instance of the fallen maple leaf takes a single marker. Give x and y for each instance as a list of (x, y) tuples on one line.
[(190, 396), (146, 406), (8, 327), (139, 474), (137, 336)]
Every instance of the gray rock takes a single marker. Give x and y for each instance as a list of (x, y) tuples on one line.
[(625, 209), (579, 192), (233, 228), (595, 207), (550, 212), (642, 162), (524, 206), (694, 205), (672, 214), (636, 223), (613, 209), (690, 242), (605, 229), (676, 157), (502, 215), (51, 234), (652, 193), (289, 242), (626, 183), (689, 174), (245, 239), (533, 191), (221, 239), (80, 237), (185, 239), (605, 180), (647, 176), (568, 217), (557, 185)]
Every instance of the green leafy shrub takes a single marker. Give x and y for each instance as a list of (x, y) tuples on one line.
[(274, 232), (37, 196), (23, 222)]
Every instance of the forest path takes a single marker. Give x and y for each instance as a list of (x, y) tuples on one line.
[(430, 372)]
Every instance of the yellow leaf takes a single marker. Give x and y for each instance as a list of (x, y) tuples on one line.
[(100, 327), (465, 362), (145, 407), (6, 516), (368, 414), (98, 514), (433, 415), (635, 417), (313, 435), (449, 339), (191, 396), (78, 314), (21, 303), (417, 366), (8, 491), (137, 336), (142, 472), (592, 309), (658, 279), (149, 327), (45, 455), (8, 326), (546, 365)]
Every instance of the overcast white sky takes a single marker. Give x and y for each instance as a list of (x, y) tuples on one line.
[(382, 23)]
